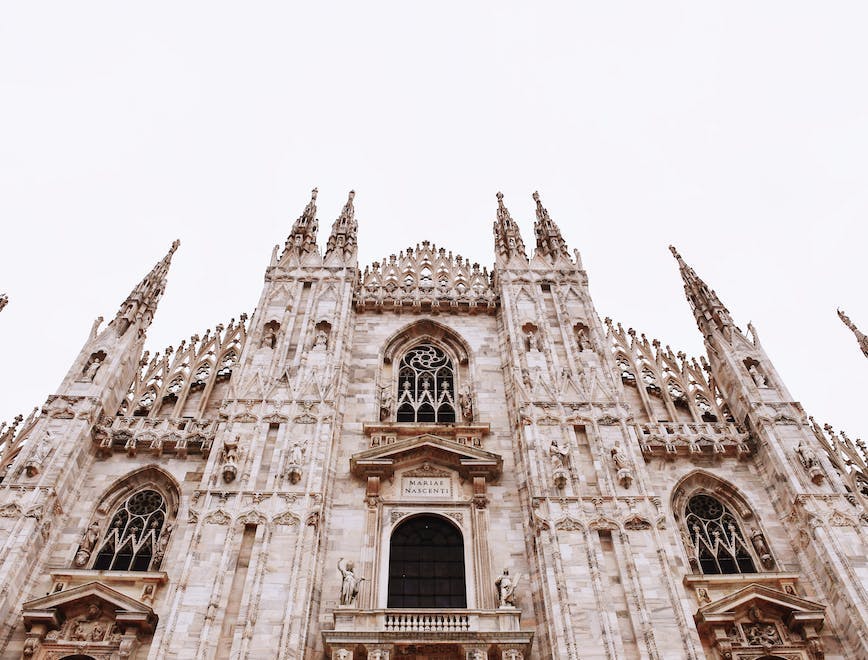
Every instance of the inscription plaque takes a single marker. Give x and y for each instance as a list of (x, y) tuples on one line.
[(423, 487)]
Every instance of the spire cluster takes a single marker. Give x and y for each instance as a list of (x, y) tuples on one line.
[(344, 230), (709, 311), (507, 237), (549, 241), (302, 238)]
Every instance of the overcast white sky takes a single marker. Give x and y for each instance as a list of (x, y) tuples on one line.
[(736, 130)]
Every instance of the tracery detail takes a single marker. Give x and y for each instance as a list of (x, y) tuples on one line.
[(426, 386), (717, 541), (133, 536)]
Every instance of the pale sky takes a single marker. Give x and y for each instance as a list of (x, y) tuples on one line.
[(736, 130)]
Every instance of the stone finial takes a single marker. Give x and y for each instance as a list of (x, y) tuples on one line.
[(549, 241), (709, 311), (141, 304), (507, 237), (344, 231), (302, 237), (861, 338)]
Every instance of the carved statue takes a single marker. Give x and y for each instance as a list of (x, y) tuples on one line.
[(97, 633), (321, 340), (269, 335), (296, 453), (618, 459), (559, 453), (92, 368), (758, 378), (465, 402), (385, 403), (761, 547), (91, 536), (582, 337), (349, 582), (807, 456), (506, 587), (163, 541), (532, 341), (230, 459), (77, 634)]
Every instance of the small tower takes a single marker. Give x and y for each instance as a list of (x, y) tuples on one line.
[(508, 245), (342, 241)]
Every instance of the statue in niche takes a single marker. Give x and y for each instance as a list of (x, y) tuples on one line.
[(386, 403), (533, 343), (40, 453), (582, 337), (758, 378), (78, 632), (619, 460), (296, 453), (761, 547), (559, 453), (465, 402), (506, 587), (810, 462), (163, 541), (269, 334), (230, 459), (321, 340), (97, 633), (93, 366), (349, 582), (88, 543)]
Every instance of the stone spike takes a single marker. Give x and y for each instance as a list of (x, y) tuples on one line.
[(549, 241), (141, 304), (507, 237), (344, 230), (302, 237), (709, 311), (861, 338)]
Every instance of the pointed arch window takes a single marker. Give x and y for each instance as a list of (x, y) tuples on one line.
[(133, 536), (426, 386), (718, 545)]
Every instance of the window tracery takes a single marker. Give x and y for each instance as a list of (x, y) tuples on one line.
[(133, 540), (426, 386), (717, 543)]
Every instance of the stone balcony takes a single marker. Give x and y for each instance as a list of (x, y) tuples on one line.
[(384, 633)]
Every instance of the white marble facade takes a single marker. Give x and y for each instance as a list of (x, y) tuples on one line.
[(581, 491)]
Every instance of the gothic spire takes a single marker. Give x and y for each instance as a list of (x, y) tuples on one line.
[(549, 241), (302, 238), (507, 238), (709, 311), (861, 338), (344, 229), (141, 304)]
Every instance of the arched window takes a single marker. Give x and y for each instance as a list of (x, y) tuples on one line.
[(718, 543), (133, 535), (426, 386), (426, 565)]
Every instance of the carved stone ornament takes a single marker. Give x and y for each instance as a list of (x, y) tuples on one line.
[(286, 518), (218, 517)]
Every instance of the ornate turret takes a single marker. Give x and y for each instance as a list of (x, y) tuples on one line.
[(549, 241), (861, 338), (344, 230), (507, 238), (710, 313), (302, 238), (140, 305)]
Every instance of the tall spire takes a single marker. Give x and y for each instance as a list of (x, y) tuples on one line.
[(344, 230), (302, 238), (710, 313), (861, 338), (140, 305), (507, 238), (549, 241)]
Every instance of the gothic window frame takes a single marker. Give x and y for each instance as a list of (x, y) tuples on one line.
[(741, 516), (113, 507), (407, 339), (425, 385)]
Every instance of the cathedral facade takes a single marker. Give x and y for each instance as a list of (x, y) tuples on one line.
[(426, 459)]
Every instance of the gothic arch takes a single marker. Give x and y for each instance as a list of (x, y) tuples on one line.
[(428, 331), (737, 544), (146, 476)]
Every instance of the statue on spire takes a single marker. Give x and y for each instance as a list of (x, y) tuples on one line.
[(141, 304), (861, 338), (344, 230), (549, 241), (507, 238), (709, 311), (302, 238)]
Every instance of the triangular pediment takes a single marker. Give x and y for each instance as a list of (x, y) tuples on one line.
[(53, 608), (795, 610), (426, 448)]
